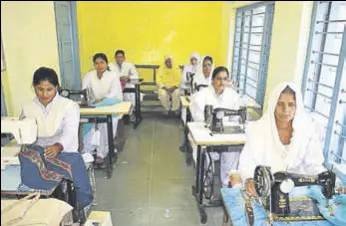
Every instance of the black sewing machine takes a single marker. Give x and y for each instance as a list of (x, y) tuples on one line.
[(275, 189), (84, 100), (214, 119), (190, 83), (199, 87)]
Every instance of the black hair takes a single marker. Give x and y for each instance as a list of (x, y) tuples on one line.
[(120, 51), (45, 74), (218, 70), (289, 90), (208, 58), (100, 55), (103, 57)]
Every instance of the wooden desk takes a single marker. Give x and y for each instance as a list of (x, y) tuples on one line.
[(122, 108), (249, 102), (185, 117), (202, 136), (52, 209), (11, 179), (137, 90)]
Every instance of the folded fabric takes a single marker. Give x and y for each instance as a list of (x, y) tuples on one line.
[(335, 211), (235, 204), (103, 103), (40, 173)]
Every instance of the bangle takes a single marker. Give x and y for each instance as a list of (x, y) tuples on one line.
[(247, 182)]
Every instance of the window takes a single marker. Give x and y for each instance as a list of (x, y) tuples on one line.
[(324, 78), (251, 49)]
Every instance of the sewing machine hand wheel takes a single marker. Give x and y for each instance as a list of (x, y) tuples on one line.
[(263, 180), (64, 92)]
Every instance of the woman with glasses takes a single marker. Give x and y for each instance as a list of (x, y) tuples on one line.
[(126, 71), (219, 96)]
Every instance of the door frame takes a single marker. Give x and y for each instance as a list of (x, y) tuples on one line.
[(75, 46)]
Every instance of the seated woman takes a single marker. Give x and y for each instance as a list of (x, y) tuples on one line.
[(57, 121), (104, 84), (57, 117), (189, 68), (204, 72), (168, 80), (284, 138), (219, 96)]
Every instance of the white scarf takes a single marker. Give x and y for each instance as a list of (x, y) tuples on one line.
[(264, 137), (189, 67), (199, 77)]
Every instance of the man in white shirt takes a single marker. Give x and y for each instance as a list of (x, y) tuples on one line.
[(125, 71)]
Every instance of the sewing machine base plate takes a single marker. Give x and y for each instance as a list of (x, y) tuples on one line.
[(302, 209), (231, 130)]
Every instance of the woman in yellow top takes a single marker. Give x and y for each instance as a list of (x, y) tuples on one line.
[(168, 81)]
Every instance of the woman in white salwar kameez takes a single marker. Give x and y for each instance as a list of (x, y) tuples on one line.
[(204, 72), (219, 96), (103, 84), (57, 117), (284, 139), (190, 67)]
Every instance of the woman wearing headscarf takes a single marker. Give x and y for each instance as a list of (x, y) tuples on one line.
[(190, 68), (284, 139), (168, 80), (204, 72)]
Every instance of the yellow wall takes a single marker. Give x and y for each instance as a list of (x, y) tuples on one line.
[(29, 41), (290, 33), (149, 30)]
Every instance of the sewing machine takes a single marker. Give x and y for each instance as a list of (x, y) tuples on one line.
[(85, 94), (198, 88), (275, 189), (190, 83), (214, 119), (24, 132)]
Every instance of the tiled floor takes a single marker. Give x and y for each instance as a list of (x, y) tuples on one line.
[(150, 177)]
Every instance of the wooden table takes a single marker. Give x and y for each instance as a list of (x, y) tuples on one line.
[(104, 114), (185, 117), (202, 136), (137, 90), (248, 102)]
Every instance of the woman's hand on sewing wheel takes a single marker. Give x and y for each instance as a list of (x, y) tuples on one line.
[(250, 188), (52, 151)]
